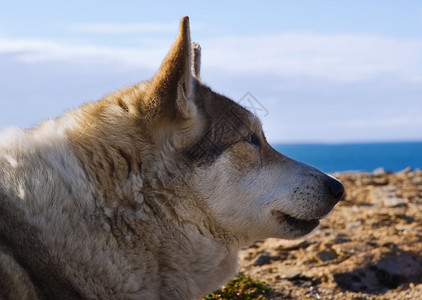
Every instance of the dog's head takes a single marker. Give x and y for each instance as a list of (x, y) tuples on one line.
[(244, 184), (212, 151)]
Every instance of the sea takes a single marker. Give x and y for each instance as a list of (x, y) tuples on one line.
[(365, 157)]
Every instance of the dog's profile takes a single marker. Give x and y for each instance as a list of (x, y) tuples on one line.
[(148, 193)]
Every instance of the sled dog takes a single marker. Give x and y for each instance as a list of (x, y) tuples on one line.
[(148, 193)]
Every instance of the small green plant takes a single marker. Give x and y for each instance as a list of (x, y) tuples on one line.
[(241, 287)]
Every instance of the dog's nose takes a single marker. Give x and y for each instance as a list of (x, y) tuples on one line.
[(336, 188)]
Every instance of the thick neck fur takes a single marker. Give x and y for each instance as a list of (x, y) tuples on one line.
[(140, 188)]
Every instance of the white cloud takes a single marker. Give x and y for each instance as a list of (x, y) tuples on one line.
[(114, 28), (38, 51), (280, 127), (386, 123), (337, 58), (332, 57)]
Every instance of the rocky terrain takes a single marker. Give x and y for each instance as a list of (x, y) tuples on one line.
[(370, 247)]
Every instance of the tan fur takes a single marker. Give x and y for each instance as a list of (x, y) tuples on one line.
[(148, 193)]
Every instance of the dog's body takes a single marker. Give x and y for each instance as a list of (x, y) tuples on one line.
[(148, 193)]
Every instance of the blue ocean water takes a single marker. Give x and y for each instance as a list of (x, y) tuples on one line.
[(357, 157)]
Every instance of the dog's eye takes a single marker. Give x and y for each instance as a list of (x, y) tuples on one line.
[(253, 138)]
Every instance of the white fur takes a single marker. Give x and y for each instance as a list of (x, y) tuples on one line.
[(57, 198)]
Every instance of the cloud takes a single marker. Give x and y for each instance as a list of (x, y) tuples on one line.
[(384, 123), (336, 58), (396, 128), (114, 28), (41, 51), (332, 57)]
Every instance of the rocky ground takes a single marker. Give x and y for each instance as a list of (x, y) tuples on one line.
[(370, 247)]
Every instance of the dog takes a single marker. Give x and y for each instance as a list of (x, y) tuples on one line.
[(148, 193)]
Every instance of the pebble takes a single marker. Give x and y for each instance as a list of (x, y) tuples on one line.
[(263, 260)]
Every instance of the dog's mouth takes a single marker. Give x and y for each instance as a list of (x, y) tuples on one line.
[(296, 224), (301, 223)]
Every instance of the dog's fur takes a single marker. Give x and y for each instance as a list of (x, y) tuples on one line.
[(148, 193)]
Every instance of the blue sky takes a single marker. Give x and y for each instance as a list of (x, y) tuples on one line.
[(326, 71)]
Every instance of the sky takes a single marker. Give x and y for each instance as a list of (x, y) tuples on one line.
[(313, 71)]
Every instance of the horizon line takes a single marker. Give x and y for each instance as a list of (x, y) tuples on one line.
[(335, 143)]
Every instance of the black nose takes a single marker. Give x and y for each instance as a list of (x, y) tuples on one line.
[(336, 188)]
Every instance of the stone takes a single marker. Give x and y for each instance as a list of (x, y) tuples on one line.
[(378, 171), (263, 260)]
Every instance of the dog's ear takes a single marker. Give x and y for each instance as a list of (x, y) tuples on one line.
[(172, 86), (196, 60)]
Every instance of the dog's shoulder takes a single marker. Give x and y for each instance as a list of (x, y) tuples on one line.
[(15, 282), (26, 271)]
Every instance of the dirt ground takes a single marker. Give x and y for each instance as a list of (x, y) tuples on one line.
[(370, 247)]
